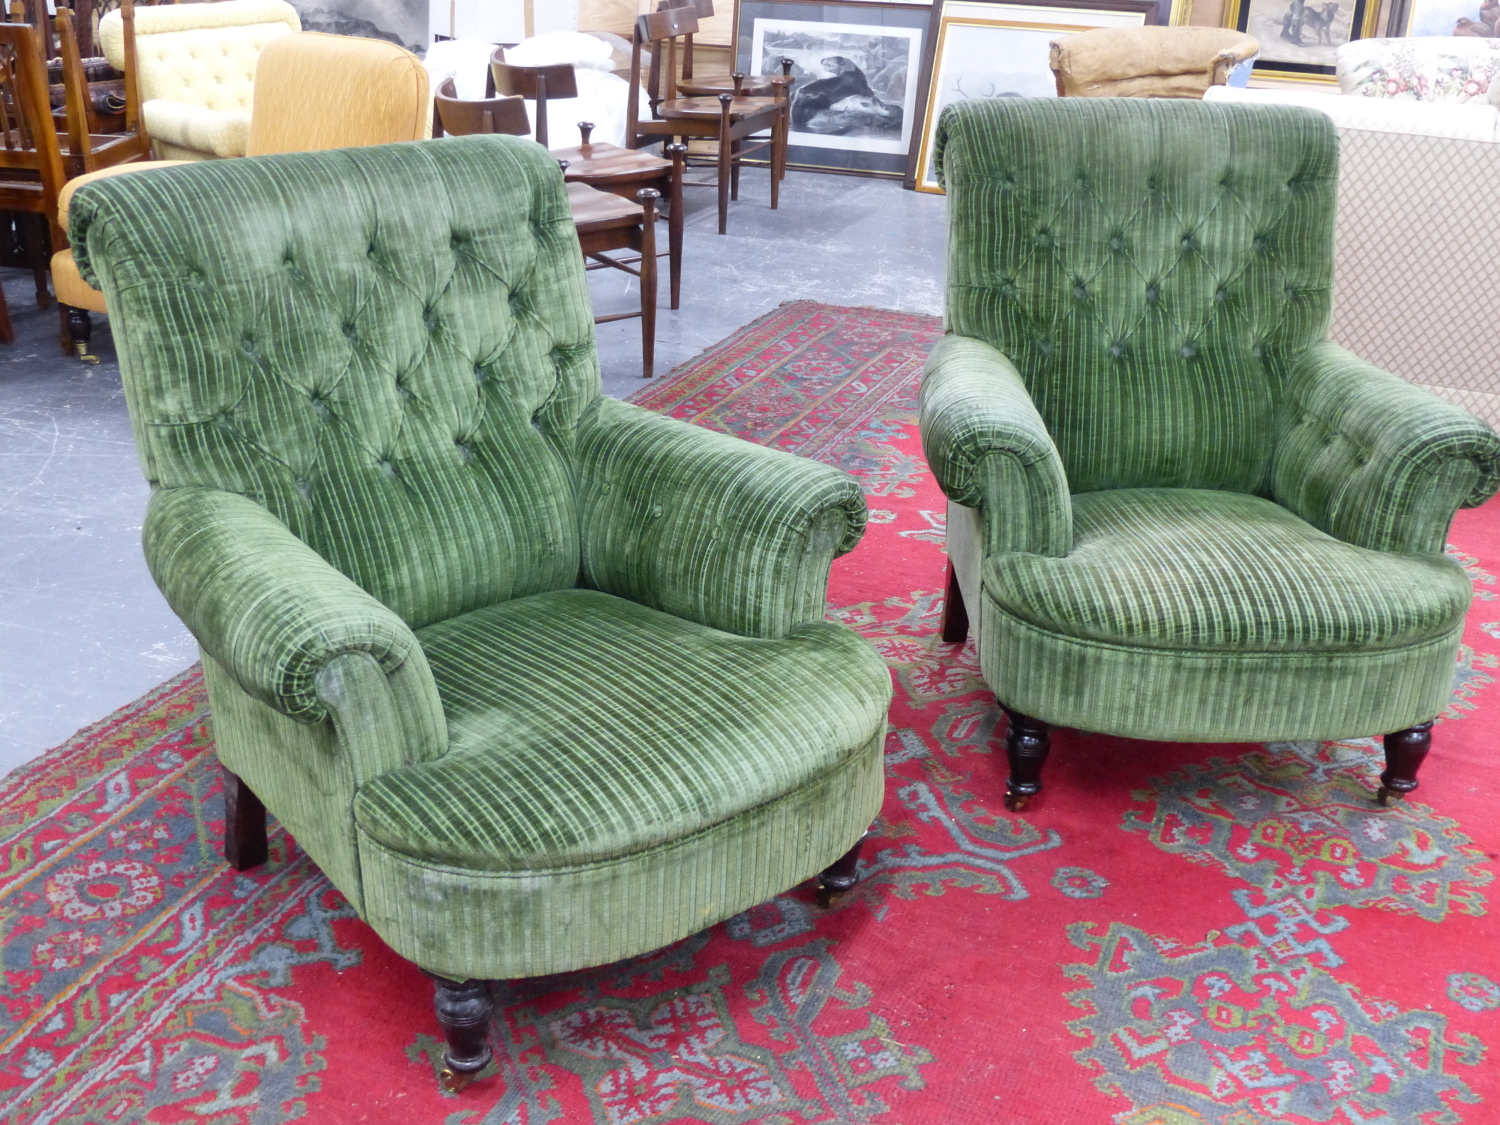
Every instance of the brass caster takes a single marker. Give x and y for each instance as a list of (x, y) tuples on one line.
[(455, 1080), (1016, 802), (1386, 795), (85, 355)]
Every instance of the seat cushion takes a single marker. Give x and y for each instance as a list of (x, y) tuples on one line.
[(584, 727), (1206, 571), (221, 132)]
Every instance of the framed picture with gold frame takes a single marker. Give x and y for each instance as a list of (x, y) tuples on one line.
[(1298, 38), (999, 49)]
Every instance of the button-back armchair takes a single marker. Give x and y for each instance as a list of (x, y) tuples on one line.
[(540, 679), (1176, 510)]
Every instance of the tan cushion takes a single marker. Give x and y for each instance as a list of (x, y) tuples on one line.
[(67, 282), (1146, 62), (70, 287), (316, 91), (220, 132)]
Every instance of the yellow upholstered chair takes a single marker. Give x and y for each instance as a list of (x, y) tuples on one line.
[(195, 66), (313, 91)]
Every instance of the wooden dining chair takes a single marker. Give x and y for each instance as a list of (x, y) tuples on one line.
[(692, 84), (728, 119), (619, 171), (32, 153), (605, 222), (90, 147)]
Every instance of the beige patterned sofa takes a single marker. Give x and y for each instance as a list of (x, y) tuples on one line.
[(197, 70), (1416, 247)]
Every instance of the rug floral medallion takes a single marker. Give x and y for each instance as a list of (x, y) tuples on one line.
[(1172, 934)]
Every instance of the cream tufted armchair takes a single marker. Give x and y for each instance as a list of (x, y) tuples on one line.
[(196, 69)]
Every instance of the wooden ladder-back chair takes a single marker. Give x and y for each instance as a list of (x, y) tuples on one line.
[(31, 154), (604, 221), (619, 171), (90, 146), (728, 119)]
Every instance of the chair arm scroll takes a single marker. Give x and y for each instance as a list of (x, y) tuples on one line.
[(989, 448), (708, 527), (1375, 461), (271, 610)]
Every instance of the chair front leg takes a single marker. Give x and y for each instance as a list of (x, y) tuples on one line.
[(244, 825), (955, 620), (79, 329), (647, 198), (464, 1010), (1027, 743), (842, 874), (678, 153), (726, 146), (1405, 751)]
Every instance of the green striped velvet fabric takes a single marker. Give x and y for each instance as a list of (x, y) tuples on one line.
[(539, 679), (1200, 519)]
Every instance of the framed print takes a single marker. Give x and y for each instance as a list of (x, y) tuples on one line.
[(1299, 37), (997, 49), (1477, 18), (856, 64)]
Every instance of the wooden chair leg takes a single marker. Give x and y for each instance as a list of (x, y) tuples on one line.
[(1404, 752), (80, 327), (842, 874), (725, 151), (1026, 745), (955, 620), (734, 171), (244, 825), (33, 237), (778, 159), (647, 198), (678, 153), (7, 332), (464, 1011)]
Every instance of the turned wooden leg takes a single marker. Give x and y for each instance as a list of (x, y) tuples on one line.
[(464, 1010), (1026, 745), (244, 825), (1404, 752), (80, 328), (842, 874), (955, 623)]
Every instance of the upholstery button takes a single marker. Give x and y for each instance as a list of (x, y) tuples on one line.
[(1117, 350), (1260, 244), (1188, 351), (1079, 292), (657, 511), (1044, 346), (1044, 238), (349, 333), (1117, 242), (1187, 242), (303, 489), (388, 468), (1220, 296), (1153, 294), (1258, 350), (716, 533)]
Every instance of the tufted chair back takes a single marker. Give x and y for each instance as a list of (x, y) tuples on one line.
[(398, 385), (1152, 267), (200, 54)]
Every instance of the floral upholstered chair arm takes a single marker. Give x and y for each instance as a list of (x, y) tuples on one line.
[(708, 527), (277, 617), (989, 448), (1375, 461)]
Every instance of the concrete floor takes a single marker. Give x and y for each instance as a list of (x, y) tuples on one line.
[(82, 627)]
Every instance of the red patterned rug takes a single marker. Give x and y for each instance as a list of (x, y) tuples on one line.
[(1173, 934)]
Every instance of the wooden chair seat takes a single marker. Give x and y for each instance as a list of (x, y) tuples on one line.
[(599, 163), (739, 108), (595, 210)]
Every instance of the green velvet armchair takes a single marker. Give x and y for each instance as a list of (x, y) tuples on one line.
[(1176, 511), (540, 679)]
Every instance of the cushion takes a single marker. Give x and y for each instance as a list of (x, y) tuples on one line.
[(221, 132), (1198, 570), (583, 727), (557, 48), (70, 287), (1473, 121), (1431, 68)]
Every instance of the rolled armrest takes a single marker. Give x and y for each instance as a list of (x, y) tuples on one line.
[(1375, 461), (262, 603), (707, 527), (989, 448)]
